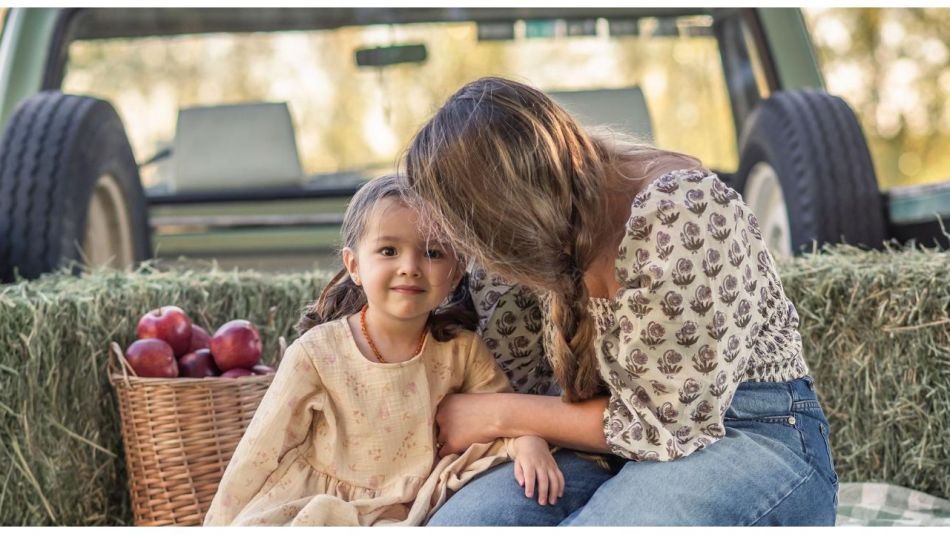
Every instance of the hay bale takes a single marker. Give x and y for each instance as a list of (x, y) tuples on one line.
[(59, 429), (876, 327), (876, 332)]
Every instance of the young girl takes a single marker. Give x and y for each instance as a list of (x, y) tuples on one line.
[(345, 434)]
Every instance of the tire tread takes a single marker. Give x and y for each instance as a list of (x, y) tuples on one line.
[(52, 153), (815, 143)]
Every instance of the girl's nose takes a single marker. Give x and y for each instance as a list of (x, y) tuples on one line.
[(410, 265)]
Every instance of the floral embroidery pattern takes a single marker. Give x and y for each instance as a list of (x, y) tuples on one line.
[(511, 323)]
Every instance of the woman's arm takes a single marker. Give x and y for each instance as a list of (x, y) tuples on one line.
[(464, 419)]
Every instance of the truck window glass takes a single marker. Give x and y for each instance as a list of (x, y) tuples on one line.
[(352, 119)]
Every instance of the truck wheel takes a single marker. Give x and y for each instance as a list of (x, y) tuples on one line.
[(69, 188), (806, 172)]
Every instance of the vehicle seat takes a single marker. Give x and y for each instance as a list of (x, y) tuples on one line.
[(235, 146), (624, 109)]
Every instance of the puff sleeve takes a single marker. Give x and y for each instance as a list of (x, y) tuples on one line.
[(282, 422), (688, 318)]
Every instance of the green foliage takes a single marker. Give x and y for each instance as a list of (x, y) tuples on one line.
[(876, 328), (893, 67)]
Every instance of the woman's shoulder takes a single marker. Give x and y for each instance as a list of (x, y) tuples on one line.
[(494, 296), (688, 200), (683, 218), (694, 188)]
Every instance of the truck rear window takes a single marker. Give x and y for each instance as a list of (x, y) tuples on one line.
[(357, 119)]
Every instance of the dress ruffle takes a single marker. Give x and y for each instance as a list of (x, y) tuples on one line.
[(297, 493)]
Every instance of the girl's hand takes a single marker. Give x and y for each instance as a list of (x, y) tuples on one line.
[(534, 465), (464, 419)]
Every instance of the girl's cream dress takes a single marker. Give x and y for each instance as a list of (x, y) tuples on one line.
[(341, 440)]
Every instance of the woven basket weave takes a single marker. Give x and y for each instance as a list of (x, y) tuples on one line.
[(179, 435)]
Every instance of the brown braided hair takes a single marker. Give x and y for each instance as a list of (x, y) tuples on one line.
[(547, 227)]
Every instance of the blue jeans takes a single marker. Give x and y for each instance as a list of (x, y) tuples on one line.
[(773, 467)]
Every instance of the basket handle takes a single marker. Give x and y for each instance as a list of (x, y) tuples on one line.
[(123, 364)]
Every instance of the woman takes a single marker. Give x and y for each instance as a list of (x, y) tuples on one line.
[(644, 282)]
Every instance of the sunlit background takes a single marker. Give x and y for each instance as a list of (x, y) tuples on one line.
[(893, 67)]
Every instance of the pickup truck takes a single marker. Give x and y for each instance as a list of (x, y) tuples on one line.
[(236, 135)]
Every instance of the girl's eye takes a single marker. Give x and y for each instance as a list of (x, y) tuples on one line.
[(435, 254), (387, 251)]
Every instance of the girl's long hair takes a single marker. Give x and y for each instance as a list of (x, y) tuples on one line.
[(520, 187), (342, 297)]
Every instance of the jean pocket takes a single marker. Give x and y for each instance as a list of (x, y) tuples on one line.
[(778, 428), (825, 430), (815, 434)]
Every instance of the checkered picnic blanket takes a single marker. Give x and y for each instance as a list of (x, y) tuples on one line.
[(875, 504)]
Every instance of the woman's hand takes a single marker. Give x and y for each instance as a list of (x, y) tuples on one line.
[(464, 419), (534, 465)]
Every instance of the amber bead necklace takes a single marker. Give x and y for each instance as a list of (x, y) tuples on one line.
[(372, 345)]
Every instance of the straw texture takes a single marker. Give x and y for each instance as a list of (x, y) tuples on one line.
[(61, 456), (876, 333), (876, 329)]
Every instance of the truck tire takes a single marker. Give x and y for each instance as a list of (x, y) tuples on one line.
[(69, 188), (806, 172)]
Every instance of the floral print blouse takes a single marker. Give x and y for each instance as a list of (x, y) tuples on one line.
[(701, 309)]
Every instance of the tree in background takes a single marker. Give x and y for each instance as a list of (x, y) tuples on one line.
[(893, 68)]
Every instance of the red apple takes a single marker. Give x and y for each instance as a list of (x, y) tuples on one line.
[(168, 323), (236, 344), (200, 338), (197, 364), (237, 372), (261, 369), (152, 358)]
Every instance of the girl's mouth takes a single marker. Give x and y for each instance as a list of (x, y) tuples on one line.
[(408, 290)]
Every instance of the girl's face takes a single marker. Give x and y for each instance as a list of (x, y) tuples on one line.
[(403, 276)]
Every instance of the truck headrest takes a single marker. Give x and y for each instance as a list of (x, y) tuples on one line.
[(624, 109), (235, 146)]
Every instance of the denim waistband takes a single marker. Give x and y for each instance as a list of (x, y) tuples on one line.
[(765, 398)]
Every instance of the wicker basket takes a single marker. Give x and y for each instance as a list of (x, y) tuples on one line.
[(179, 435)]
